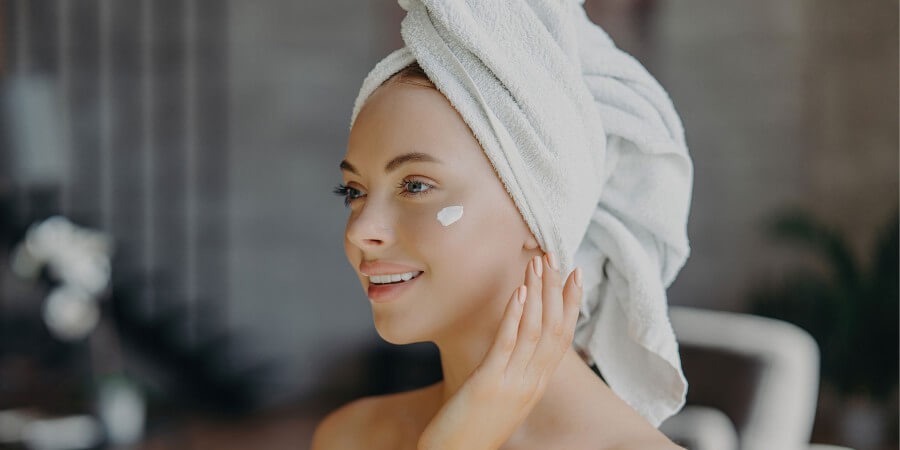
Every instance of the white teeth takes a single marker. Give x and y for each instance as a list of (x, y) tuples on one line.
[(382, 279)]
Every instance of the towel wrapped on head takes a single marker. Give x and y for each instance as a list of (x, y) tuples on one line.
[(592, 152)]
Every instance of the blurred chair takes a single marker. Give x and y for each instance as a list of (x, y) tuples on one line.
[(753, 382)]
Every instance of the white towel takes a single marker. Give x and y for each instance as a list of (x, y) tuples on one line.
[(592, 153)]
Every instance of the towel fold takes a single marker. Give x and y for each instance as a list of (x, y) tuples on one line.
[(592, 152)]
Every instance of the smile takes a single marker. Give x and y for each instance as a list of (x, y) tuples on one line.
[(393, 279), (385, 292)]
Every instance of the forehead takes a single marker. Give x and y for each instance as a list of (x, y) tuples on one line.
[(400, 118)]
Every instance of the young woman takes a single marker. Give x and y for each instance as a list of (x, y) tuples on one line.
[(425, 201)]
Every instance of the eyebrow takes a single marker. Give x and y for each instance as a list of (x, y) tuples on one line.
[(396, 162)]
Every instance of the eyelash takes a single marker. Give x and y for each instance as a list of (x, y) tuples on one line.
[(343, 190)]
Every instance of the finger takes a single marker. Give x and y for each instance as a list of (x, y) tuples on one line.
[(573, 295), (553, 329), (530, 325), (505, 341), (553, 301), (548, 356)]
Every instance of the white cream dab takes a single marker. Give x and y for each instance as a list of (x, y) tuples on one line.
[(449, 215)]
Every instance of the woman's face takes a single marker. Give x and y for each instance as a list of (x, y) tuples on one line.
[(470, 267)]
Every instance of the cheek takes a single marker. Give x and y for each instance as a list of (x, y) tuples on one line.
[(427, 228), (472, 250)]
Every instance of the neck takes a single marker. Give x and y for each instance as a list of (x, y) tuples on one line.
[(566, 387), (462, 350)]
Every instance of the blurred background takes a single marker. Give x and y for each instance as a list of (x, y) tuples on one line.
[(171, 265)]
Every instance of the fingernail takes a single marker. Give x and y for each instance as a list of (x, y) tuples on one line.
[(538, 267), (578, 276), (552, 260), (521, 294)]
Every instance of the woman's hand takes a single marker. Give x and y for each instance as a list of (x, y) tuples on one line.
[(511, 378)]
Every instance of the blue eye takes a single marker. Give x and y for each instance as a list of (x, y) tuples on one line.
[(344, 191), (351, 194), (407, 193)]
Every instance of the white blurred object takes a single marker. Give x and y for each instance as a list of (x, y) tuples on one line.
[(77, 256), (80, 259), (70, 313), (38, 156), (12, 423), (780, 413), (65, 433), (122, 410)]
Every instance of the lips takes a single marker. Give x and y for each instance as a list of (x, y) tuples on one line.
[(383, 293), (382, 267)]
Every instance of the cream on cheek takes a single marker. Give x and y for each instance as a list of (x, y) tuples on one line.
[(450, 214)]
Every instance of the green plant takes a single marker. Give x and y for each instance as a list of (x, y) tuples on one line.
[(851, 310)]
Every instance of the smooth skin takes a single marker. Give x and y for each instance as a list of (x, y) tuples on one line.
[(536, 330), (530, 391)]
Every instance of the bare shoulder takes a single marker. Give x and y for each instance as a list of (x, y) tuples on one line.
[(618, 428), (345, 426), (384, 421), (587, 440)]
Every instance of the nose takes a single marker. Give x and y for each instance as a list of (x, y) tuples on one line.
[(371, 229)]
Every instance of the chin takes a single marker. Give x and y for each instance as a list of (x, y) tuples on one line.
[(396, 340), (401, 332)]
